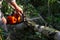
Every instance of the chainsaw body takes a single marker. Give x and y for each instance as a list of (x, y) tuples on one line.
[(15, 18)]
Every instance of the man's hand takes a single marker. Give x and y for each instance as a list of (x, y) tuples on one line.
[(18, 9), (4, 20)]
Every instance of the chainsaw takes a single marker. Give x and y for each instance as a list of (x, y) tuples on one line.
[(15, 18)]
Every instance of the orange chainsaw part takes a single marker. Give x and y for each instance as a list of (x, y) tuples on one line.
[(15, 18), (11, 19), (18, 17)]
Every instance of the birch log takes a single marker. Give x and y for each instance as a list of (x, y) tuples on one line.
[(47, 31)]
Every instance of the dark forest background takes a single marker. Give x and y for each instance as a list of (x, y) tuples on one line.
[(48, 9)]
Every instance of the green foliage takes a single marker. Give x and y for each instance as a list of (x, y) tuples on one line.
[(6, 9)]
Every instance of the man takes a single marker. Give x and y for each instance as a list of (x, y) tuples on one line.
[(14, 5), (3, 21)]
